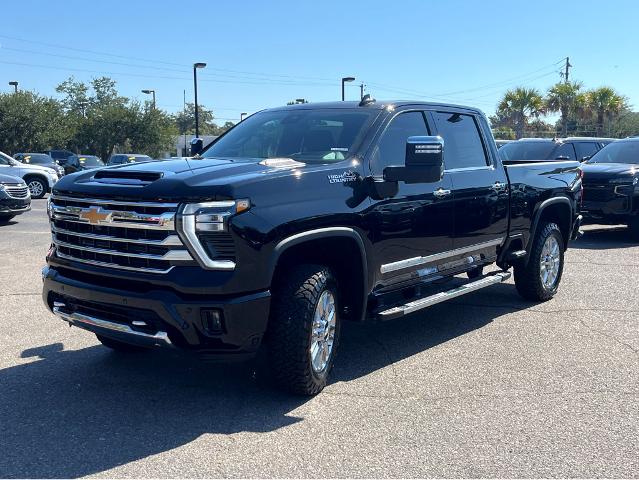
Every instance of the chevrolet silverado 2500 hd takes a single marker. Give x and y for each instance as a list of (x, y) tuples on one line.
[(298, 219)]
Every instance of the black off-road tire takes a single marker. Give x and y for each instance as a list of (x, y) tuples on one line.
[(528, 277), (295, 298), (120, 347)]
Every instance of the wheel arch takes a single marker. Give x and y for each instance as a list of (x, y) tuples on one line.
[(339, 248), (556, 209), (37, 176)]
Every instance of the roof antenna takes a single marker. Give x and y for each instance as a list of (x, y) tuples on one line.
[(366, 100)]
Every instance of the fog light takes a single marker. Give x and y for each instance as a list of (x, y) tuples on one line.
[(211, 321)]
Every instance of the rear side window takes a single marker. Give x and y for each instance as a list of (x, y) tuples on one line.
[(463, 146), (565, 151), (585, 149), (391, 148)]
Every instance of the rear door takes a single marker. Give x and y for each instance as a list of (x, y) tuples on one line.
[(416, 224), (480, 185)]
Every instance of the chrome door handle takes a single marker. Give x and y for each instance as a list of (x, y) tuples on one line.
[(498, 186), (441, 193)]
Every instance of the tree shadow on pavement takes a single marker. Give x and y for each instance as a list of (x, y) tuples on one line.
[(70, 413)]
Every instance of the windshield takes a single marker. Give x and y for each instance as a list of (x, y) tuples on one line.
[(527, 150), (37, 159), (618, 152), (90, 161), (312, 136)]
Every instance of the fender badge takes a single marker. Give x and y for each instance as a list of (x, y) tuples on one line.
[(344, 177)]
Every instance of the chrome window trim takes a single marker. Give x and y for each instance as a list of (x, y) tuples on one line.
[(469, 169), (414, 261)]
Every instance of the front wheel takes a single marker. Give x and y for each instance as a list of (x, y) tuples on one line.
[(539, 279), (37, 188), (304, 329)]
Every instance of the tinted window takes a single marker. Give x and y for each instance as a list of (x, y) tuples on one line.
[(566, 150), (36, 159), (618, 152), (391, 148), (308, 135), (463, 147), (519, 150), (585, 149)]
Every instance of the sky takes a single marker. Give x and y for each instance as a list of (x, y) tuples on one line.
[(263, 54)]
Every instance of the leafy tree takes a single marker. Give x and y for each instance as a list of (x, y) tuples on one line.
[(519, 106), (504, 133), (185, 120), (564, 97), (30, 122)]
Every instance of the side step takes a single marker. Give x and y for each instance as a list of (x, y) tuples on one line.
[(415, 305)]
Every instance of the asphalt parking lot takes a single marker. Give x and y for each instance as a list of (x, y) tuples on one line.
[(488, 385)]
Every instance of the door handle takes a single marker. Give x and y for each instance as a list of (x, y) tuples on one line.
[(498, 186), (441, 193)]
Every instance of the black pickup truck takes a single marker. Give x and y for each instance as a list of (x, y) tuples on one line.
[(300, 218), (611, 185)]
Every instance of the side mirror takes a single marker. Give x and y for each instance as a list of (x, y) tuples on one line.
[(424, 161), (196, 146), (587, 157)]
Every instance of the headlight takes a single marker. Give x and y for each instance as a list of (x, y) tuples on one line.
[(208, 217)]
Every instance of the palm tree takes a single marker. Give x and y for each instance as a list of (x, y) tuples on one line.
[(519, 105), (564, 97), (604, 103)]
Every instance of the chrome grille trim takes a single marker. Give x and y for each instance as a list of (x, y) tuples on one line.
[(170, 241), (17, 191), (112, 265), (112, 222), (171, 255), (96, 201)]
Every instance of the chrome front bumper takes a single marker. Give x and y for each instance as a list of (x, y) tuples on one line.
[(113, 330)]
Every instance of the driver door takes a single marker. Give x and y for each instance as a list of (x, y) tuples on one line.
[(417, 222)]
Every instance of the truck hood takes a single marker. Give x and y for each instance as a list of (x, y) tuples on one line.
[(604, 172), (181, 179)]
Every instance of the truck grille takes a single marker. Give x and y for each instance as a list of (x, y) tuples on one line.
[(17, 191), (122, 235), (598, 193)]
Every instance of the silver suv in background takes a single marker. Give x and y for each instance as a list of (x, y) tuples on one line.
[(40, 180)]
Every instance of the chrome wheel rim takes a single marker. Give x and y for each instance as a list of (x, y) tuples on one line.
[(323, 332), (550, 263), (36, 188)]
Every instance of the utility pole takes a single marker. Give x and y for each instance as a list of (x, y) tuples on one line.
[(361, 91), (568, 65)]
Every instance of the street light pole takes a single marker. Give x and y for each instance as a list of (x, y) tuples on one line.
[(344, 80), (152, 92), (242, 115), (14, 84), (197, 116)]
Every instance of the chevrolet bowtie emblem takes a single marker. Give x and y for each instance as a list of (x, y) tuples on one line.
[(96, 216)]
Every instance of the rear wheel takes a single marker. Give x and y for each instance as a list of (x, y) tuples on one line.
[(539, 278), (37, 187), (304, 329), (120, 346)]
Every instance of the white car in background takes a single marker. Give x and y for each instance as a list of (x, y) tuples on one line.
[(39, 179)]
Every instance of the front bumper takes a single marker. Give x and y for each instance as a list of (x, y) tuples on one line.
[(13, 206), (159, 317)]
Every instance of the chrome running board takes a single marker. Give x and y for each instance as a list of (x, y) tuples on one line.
[(113, 330), (401, 310)]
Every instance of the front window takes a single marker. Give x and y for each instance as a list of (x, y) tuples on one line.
[(90, 161), (618, 152), (527, 150), (36, 159), (307, 135)]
